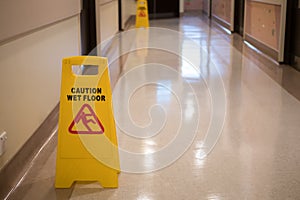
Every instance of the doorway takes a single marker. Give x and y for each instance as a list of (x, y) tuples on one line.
[(88, 27), (163, 9), (120, 15), (239, 10), (292, 39)]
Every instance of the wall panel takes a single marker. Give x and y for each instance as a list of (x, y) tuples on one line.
[(30, 80), (263, 23), (265, 26), (18, 16), (222, 9), (107, 19)]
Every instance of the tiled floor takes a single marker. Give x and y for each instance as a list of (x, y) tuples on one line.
[(257, 154)]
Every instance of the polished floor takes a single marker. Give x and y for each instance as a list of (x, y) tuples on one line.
[(255, 153)]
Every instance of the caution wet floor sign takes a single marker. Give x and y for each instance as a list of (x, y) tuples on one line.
[(87, 147), (142, 18)]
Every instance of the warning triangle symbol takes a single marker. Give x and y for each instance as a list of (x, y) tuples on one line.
[(86, 122), (142, 14)]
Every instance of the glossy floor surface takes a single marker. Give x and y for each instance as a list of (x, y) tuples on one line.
[(253, 151)]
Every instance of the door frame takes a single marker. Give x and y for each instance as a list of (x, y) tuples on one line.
[(290, 34), (237, 19), (88, 30), (120, 15)]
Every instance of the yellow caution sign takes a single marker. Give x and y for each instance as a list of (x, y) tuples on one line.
[(87, 147), (142, 17)]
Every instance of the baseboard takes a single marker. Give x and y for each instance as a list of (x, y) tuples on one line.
[(12, 172), (221, 22), (262, 47)]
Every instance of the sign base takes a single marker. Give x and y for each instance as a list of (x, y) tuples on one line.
[(89, 170)]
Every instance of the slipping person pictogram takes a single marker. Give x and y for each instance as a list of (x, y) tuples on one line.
[(86, 122)]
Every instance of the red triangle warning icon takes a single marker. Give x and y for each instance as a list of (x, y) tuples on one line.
[(86, 122), (142, 14)]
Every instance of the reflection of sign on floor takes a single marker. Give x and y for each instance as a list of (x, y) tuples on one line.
[(86, 122)]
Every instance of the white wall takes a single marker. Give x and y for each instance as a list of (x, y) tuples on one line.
[(106, 19), (128, 9), (181, 6), (18, 16), (31, 73), (109, 24)]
